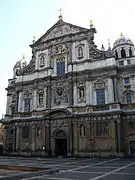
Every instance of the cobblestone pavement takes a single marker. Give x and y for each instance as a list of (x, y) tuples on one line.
[(79, 169)]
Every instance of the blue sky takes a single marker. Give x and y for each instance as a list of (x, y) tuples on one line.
[(20, 20)]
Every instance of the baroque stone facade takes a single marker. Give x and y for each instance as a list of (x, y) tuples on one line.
[(72, 98)]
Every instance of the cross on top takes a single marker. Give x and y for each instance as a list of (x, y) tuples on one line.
[(60, 10)]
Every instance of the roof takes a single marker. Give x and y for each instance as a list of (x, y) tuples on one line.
[(122, 41), (58, 29)]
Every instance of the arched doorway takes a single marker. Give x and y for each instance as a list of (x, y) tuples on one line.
[(60, 143)]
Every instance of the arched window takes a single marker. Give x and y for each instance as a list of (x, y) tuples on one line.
[(82, 130), (129, 98), (116, 54), (130, 52), (80, 52), (123, 53), (38, 132)]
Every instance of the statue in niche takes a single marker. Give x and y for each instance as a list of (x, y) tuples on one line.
[(27, 102), (82, 131), (38, 132), (81, 92)]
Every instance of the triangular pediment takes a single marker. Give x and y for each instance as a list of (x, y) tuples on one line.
[(59, 29)]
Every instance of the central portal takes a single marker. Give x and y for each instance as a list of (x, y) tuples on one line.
[(60, 143)]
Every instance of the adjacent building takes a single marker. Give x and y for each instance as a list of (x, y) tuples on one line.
[(71, 97)]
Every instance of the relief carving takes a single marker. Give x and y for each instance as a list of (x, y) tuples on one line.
[(100, 84), (60, 94), (61, 28), (60, 49)]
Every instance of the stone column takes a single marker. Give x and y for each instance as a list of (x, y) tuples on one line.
[(70, 138), (14, 139), (75, 138), (110, 91), (8, 104), (70, 94), (48, 94), (43, 135), (45, 96), (33, 144), (37, 62), (87, 92), (75, 95), (70, 53), (19, 102), (119, 135), (90, 93), (17, 137), (34, 99), (73, 52), (116, 89)]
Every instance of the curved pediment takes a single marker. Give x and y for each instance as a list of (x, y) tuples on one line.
[(57, 113)]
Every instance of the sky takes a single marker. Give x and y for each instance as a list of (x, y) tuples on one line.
[(20, 20)]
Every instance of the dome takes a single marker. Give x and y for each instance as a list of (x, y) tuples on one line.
[(122, 41), (21, 64)]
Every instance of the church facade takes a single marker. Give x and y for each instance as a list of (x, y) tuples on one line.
[(72, 98)]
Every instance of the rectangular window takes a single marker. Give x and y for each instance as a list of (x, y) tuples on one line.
[(60, 68), (101, 129), (129, 98), (121, 63), (100, 95)]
